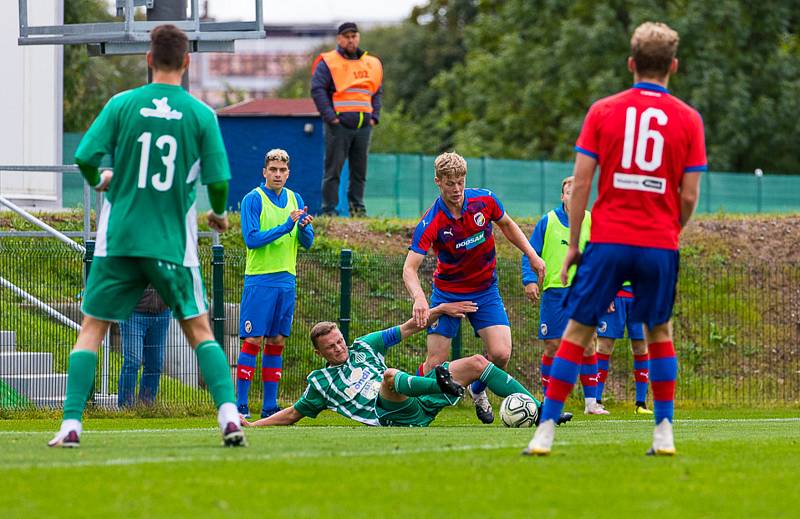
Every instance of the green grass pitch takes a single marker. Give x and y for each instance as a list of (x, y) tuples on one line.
[(729, 464)]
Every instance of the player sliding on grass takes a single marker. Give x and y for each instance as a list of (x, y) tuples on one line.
[(357, 384), (161, 141), (459, 228), (650, 146)]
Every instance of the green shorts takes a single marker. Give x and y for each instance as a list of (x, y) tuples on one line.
[(417, 411), (116, 284)]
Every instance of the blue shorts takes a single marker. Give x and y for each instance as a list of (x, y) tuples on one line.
[(266, 311), (491, 311), (613, 325), (553, 317), (653, 274)]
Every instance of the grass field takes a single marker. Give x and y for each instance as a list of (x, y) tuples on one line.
[(730, 464)]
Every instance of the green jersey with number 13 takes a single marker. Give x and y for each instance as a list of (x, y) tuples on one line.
[(161, 140)]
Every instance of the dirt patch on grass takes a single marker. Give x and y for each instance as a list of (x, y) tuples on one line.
[(739, 239), (751, 239)]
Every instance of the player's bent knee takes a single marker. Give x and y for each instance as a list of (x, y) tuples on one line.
[(478, 363), (550, 347), (639, 347), (501, 359), (278, 340)]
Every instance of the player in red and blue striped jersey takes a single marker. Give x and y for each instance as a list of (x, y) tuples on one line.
[(458, 227), (650, 147)]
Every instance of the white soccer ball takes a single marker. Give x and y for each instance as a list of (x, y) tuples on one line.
[(519, 410)]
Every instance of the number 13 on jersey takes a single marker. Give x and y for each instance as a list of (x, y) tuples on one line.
[(165, 141)]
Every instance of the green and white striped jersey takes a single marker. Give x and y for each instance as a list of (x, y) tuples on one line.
[(351, 389), (162, 140)]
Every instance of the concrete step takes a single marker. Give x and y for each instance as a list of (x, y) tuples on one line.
[(8, 341), (25, 363), (38, 386)]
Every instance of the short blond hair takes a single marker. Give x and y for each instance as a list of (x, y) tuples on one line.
[(450, 164), (653, 47), (276, 154), (320, 330), (569, 180)]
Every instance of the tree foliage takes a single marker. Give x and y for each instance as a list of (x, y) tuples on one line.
[(514, 78), (90, 82)]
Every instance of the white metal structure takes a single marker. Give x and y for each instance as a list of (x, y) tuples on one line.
[(31, 104)]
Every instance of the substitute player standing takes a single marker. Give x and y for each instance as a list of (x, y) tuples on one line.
[(649, 145), (161, 141), (459, 228), (550, 239), (274, 225)]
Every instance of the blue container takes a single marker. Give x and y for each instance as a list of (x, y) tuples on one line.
[(247, 139)]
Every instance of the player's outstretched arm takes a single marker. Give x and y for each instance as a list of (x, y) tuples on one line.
[(287, 416), (421, 311), (458, 309)]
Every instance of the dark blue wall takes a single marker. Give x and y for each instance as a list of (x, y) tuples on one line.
[(247, 139)]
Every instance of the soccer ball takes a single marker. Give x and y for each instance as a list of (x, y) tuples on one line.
[(519, 410)]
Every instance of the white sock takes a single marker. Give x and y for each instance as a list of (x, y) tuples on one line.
[(71, 425), (227, 413), (590, 402)]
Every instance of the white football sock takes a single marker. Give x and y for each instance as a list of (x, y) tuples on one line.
[(71, 425), (227, 413)]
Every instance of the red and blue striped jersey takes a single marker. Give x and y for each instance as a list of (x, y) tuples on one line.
[(644, 140), (464, 247)]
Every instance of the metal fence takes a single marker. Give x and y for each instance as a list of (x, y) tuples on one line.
[(737, 327), (402, 186)]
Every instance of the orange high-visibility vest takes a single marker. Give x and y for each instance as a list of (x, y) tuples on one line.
[(355, 80)]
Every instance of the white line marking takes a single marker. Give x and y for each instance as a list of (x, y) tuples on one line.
[(258, 457), (682, 421)]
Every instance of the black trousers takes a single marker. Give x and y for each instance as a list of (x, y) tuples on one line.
[(342, 144)]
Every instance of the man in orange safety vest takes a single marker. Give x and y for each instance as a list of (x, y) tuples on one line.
[(346, 87)]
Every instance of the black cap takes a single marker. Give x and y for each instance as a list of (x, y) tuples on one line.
[(347, 27)]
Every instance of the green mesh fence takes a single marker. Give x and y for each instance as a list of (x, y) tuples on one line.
[(736, 329), (402, 186)]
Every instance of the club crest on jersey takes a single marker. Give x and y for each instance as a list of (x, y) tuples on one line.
[(161, 111), (480, 220), (360, 357), (248, 326), (602, 327)]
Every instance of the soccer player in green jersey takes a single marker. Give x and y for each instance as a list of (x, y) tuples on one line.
[(162, 141), (357, 384)]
